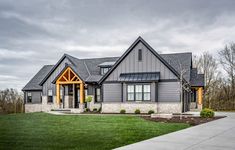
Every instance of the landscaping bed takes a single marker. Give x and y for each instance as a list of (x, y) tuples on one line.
[(192, 120)]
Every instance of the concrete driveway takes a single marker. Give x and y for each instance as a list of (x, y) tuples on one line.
[(215, 135)]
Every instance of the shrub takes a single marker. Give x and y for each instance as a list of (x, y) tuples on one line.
[(151, 112), (87, 109), (88, 98), (95, 109), (207, 113), (137, 111), (122, 111)]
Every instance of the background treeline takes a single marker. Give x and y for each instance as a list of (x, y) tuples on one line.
[(219, 72), (11, 101)]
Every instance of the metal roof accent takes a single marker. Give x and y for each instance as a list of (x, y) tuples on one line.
[(143, 76)]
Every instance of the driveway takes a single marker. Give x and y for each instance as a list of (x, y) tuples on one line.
[(215, 135)]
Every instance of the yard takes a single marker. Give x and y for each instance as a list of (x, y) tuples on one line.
[(45, 131)]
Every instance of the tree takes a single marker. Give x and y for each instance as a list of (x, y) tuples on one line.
[(207, 64), (10, 101)]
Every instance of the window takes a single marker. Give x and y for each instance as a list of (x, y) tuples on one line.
[(146, 92), (29, 97), (104, 70), (50, 97), (97, 95), (130, 93), (140, 55), (138, 92)]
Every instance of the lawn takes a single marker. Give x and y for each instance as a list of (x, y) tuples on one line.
[(46, 131)]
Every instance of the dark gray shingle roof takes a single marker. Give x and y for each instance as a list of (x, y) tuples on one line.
[(89, 70), (180, 61), (33, 84), (196, 79)]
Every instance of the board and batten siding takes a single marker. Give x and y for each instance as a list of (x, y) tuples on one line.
[(48, 85), (169, 92), (36, 96), (149, 63), (112, 92)]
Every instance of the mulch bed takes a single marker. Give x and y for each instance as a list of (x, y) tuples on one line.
[(192, 120)]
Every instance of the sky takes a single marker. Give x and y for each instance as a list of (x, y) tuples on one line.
[(36, 33)]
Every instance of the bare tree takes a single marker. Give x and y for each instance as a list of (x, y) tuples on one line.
[(206, 64), (227, 59), (10, 101)]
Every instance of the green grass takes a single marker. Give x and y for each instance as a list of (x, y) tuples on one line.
[(45, 131)]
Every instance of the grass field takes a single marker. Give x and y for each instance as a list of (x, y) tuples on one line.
[(45, 131)]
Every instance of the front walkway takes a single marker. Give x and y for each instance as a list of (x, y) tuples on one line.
[(215, 135)]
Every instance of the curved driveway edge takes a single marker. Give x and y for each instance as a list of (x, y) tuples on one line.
[(214, 135)]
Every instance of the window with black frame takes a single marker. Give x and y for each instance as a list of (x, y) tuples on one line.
[(130, 92), (97, 95), (138, 92), (29, 97), (49, 97)]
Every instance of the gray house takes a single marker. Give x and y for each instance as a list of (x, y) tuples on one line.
[(139, 79)]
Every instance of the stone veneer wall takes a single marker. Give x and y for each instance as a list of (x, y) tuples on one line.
[(44, 106), (161, 107), (169, 107), (115, 107)]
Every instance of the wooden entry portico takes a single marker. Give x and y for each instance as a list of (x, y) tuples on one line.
[(66, 78)]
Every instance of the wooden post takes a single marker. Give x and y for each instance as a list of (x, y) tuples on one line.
[(81, 93), (200, 96), (57, 93)]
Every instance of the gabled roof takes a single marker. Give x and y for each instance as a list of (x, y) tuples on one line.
[(180, 61), (33, 84), (196, 80), (139, 39), (89, 69)]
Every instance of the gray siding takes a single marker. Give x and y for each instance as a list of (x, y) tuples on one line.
[(168, 92), (112, 92), (48, 85), (36, 96), (149, 63)]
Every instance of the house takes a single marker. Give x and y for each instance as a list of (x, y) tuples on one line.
[(139, 79)]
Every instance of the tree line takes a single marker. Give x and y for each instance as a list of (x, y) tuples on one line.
[(11, 101), (219, 74)]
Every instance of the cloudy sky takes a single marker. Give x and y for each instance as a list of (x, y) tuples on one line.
[(38, 32)]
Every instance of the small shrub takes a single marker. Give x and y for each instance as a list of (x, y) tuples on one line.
[(88, 99), (95, 109), (87, 109), (122, 111), (137, 111), (151, 112), (207, 113)]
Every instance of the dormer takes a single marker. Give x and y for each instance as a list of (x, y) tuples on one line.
[(105, 66)]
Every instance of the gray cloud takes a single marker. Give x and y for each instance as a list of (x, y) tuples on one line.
[(34, 33)]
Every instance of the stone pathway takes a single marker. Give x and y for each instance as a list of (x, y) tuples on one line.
[(215, 135)]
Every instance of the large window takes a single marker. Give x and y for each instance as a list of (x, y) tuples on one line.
[(97, 95), (29, 97), (50, 96), (138, 92)]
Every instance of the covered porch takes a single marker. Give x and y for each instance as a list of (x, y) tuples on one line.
[(70, 91), (197, 98)]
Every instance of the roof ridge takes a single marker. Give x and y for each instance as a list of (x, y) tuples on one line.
[(87, 69)]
